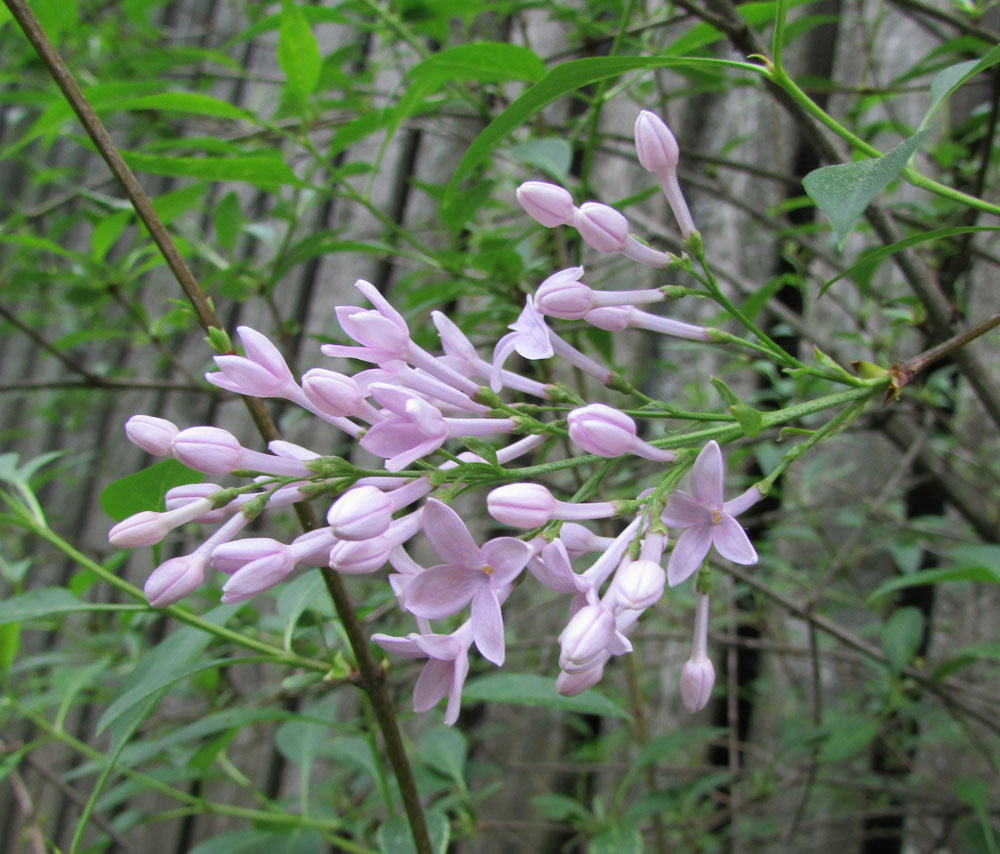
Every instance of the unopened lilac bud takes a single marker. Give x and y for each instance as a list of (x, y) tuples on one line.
[(360, 514), (579, 540), (585, 638), (571, 684), (232, 556), (150, 433), (563, 295), (602, 430), (639, 584), (208, 449), (313, 547), (145, 528), (174, 579), (185, 494), (362, 556), (333, 393), (611, 318), (697, 680), (655, 145), (522, 505), (548, 204), (270, 568), (601, 227)]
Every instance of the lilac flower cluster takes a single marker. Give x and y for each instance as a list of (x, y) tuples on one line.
[(409, 405)]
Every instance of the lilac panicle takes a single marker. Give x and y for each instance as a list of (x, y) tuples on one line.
[(710, 521)]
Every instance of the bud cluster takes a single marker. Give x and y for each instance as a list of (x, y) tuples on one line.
[(409, 405)]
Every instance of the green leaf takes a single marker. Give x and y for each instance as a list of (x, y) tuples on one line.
[(298, 53), (534, 690), (10, 637), (848, 736), (901, 636), (106, 232), (193, 103), (228, 220), (299, 741), (145, 489), (950, 79), (306, 591), (553, 155), (265, 171), (155, 683), (258, 841), (394, 836), (873, 258), (485, 62), (42, 602), (562, 80), (617, 840), (986, 574), (843, 191), (444, 749)]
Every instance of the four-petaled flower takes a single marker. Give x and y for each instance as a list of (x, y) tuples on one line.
[(710, 521), (469, 574)]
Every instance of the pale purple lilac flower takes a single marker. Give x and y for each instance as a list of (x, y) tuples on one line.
[(531, 505), (213, 450), (152, 434), (469, 574), (709, 519), (618, 318), (445, 671)]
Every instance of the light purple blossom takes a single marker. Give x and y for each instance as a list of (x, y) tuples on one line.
[(658, 153), (608, 432), (263, 372), (445, 671), (710, 521), (548, 204), (150, 433), (469, 574)]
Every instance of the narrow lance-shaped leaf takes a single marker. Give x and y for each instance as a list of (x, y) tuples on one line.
[(298, 53), (843, 191)]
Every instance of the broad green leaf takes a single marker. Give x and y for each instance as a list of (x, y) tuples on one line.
[(848, 736), (486, 62), (986, 574), (298, 53), (192, 103), (562, 80), (559, 807), (444, 749), (901, 637), (228, 220), (394, 836), (106, 232), (260, 170), (843, 191), (533, 690), (950, 79), (305, 591), (873, 258), (552, 155), (617, 840), (145, 489), (173, 654), (155, 683), (46, 601)]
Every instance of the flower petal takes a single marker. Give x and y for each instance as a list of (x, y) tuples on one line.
[(732, 541), (706, 477), (432, 684), (442, 591), (449, 537), (458, 674), (403, 647), (688, 553), (682, 511), (402, 460), (737, 505), (487, 625), (507, 556), (504, 347)]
